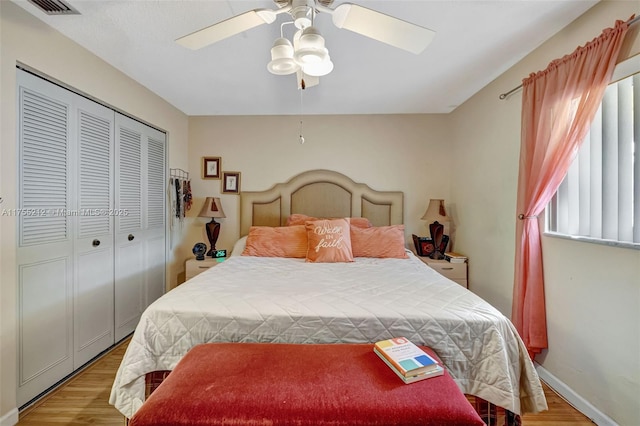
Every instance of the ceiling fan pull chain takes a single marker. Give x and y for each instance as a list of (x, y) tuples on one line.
[(300, 136)]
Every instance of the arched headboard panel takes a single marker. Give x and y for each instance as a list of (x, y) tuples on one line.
[(319, 193)]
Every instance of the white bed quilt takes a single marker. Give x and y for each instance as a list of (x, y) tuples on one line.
[(251, 299)]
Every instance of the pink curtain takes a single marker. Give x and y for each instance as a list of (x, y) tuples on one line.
[(558, 105)]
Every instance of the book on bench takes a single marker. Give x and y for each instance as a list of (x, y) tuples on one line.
[(407, 360), (439, 371)]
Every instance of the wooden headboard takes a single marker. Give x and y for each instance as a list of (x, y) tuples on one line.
[(319, 193)]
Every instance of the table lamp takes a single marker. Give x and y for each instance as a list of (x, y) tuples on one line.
[(436, 214), (212, 208)]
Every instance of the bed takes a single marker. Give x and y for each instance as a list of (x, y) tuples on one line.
[(363, 300)]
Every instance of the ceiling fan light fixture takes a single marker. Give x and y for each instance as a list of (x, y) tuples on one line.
[(302, 16), (319, 69), (310, 56), (283, 66), (282, 62), (309, 47), (282, 46), (308, 51), (310, 38)]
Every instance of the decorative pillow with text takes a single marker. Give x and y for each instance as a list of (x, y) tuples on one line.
[(329, 241)]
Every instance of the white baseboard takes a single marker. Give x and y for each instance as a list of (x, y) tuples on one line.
[(578, 402), (10, 419)]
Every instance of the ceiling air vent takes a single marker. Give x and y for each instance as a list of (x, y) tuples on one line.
[(54, 7)]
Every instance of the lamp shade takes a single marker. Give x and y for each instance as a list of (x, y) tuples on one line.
[(212, 208), (436, 211)]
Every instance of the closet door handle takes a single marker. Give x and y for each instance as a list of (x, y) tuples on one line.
[(95, 243), (130, 237)]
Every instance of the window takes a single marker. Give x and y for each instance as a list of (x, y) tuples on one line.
[(599, 198)]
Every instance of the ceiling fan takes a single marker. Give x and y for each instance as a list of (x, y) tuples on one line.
[(307, 55)]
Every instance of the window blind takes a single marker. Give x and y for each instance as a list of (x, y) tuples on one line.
[(600, 196)]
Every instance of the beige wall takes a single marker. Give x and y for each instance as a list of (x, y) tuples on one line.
[(410, 153), (27, 40), (592, 291), (469, 158)]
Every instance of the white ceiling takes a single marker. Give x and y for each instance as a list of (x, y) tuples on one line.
[(476, 41)]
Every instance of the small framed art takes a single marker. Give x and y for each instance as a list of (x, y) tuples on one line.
[(211, 167), (424, 245), (231, 182)]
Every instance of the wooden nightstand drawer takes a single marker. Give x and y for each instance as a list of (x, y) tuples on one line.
[(457, 272), (449, 270), (194, 267)]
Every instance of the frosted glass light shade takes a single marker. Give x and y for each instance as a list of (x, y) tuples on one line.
[(318, 69), (311, 39), (282, 62), (310, 47)]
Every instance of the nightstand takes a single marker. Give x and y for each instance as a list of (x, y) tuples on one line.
[(194, 267), (454, 271)]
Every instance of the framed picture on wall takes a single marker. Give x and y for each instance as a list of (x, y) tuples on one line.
[(231, 182), (211, 167)]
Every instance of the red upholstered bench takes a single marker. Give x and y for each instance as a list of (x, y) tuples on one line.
[(306, 384)]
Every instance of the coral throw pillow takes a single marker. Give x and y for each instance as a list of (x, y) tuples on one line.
[(301, 219), (282, 241), (380, 241), (329, 241), (360, 222)]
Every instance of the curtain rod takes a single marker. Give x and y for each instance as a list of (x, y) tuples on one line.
[(506, 94)]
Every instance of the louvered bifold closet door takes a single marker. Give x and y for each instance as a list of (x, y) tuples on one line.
[(155, 224), (45, 244), (129, 238), (140, 207), (94, 232)]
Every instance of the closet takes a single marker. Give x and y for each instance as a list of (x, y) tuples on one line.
[(91, 229)]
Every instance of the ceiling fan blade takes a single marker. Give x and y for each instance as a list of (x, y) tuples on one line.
[(381, 27), (227, 28)]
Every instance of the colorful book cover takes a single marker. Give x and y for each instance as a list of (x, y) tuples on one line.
[(439, 371), (405, 356)]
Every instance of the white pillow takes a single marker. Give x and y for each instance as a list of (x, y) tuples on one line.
[(239, 246)]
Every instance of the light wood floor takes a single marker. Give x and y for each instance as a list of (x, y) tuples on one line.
[(83, 400)]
